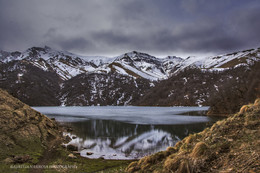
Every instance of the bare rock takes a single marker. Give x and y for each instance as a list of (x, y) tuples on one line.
[(89, 153), (21, 159), (72, 156), (67, 138), (8, 160), (71, 147)]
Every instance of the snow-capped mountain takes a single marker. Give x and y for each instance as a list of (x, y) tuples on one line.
[(222, 62), (134, 64), (65, 64), (43, 76), (68, 65), (141, 65)]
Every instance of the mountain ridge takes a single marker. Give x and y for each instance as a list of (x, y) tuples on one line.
[(41, 74), (68, 65)]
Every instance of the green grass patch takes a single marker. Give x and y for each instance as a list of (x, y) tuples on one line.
[(81, 164)]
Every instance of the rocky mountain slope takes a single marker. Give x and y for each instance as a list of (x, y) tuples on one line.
[(224, 91), (43, 76), (102, 89), (230, 145), (30, 84), (68, 65)]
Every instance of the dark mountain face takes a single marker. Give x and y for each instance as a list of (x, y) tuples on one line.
[(187, 88), (241, 89), (224, 91), (30, 84), (103, 89)]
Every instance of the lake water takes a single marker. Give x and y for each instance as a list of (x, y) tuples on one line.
[(127, 132)]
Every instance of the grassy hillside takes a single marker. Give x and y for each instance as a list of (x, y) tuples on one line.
[(230, 145), (24, 132), (28, 139)]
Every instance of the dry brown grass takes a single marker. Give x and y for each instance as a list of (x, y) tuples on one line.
[(257, 102), (244, 109), (5, 108), (231, 144), (171, 150), (185, 166), (199, 149), (131, 167), (172, 164)]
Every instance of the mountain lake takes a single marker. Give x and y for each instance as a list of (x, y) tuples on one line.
[(128, 132)]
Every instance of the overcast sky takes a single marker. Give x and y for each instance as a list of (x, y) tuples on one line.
[(113, 27)]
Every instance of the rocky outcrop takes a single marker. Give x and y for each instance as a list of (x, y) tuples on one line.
[(230, 145), (24, 132)]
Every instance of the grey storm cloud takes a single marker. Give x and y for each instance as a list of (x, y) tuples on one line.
[(111, 27)]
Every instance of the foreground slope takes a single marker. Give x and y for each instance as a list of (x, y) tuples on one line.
[(230, 145), (29, 142), (24, 132)]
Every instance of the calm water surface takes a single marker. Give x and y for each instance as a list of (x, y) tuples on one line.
[(127, 132)]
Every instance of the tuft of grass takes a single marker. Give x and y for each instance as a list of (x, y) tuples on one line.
[(132, 167), (185, 166), (199, 149), (257, 102), (171, 150), (244, 109), (172, 164)]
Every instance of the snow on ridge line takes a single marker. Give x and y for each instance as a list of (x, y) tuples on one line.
[(140, 73), (153, 69), (215, 62)]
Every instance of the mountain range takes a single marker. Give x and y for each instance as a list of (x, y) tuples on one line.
[(42, 76)]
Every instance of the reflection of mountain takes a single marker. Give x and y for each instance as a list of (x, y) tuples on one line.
[(110, 128), (118, 140), (127, 147)]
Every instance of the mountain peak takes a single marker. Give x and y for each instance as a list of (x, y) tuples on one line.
[(47, 47)]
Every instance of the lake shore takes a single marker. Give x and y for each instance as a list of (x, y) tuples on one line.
[(31, 142)]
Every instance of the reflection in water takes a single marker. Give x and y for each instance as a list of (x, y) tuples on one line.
[(127, 132), (119, 140)]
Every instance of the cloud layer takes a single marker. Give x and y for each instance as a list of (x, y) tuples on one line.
[(102, 27)]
